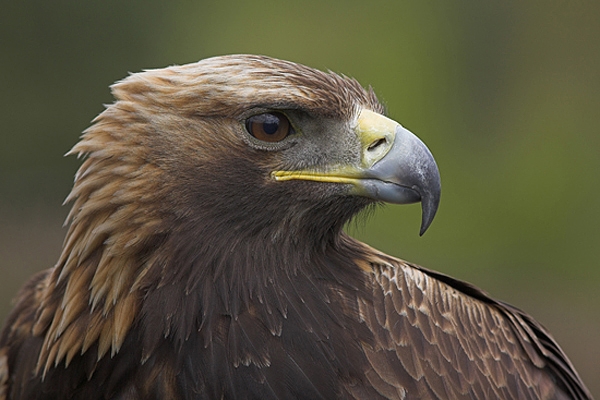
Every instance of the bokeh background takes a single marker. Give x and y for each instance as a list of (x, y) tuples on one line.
[(505, 94)]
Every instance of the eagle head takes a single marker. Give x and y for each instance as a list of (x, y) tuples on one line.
[(251, 145)]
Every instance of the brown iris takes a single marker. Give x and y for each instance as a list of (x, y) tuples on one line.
[(269, 127)]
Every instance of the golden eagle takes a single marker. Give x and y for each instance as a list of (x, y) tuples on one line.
[(206, 258)]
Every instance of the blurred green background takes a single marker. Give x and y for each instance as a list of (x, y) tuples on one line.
[(505, 94)]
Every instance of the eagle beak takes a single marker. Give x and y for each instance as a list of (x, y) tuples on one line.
[(395, 167)]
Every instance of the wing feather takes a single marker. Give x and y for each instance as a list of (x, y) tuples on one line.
[(437, 337)]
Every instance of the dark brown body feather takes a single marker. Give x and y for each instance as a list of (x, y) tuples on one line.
[(188, 273)]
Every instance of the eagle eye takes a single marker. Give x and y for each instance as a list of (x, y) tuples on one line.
[(269, 127)]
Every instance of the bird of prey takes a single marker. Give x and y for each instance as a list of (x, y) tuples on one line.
[(206, 259)]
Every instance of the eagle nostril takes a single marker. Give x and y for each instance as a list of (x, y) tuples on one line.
[(377, 144)]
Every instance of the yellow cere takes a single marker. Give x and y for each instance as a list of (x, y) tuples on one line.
[(373, 127)]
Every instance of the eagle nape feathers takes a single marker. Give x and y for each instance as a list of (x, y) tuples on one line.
[(205, 257)]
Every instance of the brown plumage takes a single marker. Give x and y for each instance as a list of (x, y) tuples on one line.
[(205, 257)]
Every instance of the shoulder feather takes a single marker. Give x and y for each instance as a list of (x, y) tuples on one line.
[(443, 338)]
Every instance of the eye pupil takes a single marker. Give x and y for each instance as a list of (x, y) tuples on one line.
[(271, 124), (269, 127)]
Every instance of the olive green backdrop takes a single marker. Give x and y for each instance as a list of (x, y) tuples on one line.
[(505, 94)]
